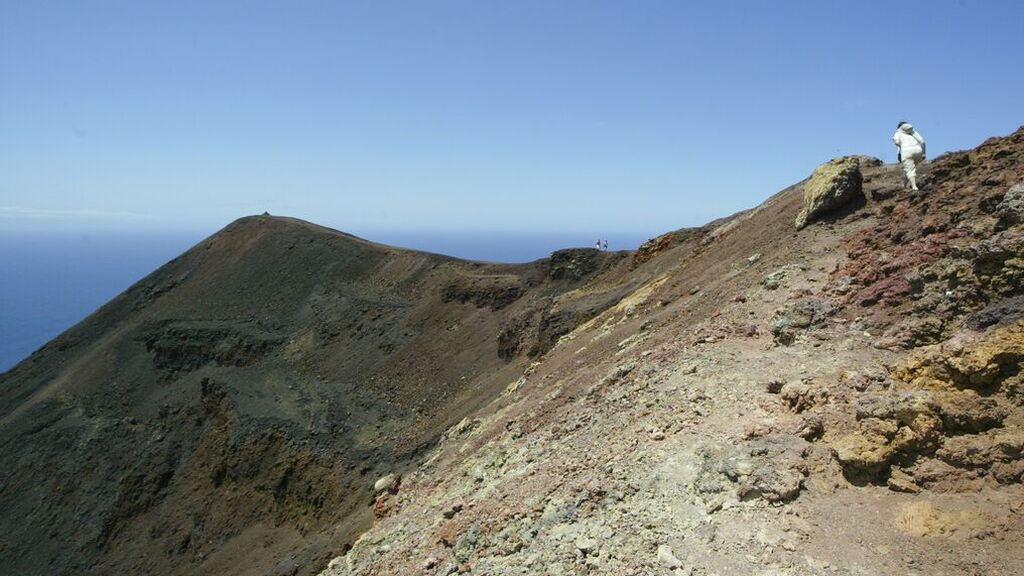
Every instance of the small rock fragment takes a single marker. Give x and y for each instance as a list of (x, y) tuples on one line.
[(387, 483), (900, 481), (774, 280), (586, 545), (667, 558), (452, 510)]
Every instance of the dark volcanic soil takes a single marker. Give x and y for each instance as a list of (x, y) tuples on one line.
[(234, 408)]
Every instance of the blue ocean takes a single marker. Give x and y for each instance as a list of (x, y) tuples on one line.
[(51, 280)]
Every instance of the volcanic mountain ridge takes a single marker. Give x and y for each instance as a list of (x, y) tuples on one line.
[(741, 398)]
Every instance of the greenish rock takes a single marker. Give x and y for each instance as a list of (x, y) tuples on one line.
[(831, 186)]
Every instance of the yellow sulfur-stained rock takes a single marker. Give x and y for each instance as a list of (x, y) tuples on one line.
[(832, 185)]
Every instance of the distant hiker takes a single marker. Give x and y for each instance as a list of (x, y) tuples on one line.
[(605, 245), (911, 151), (598, 244)]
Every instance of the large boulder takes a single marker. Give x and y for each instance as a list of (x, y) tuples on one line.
[(831, 186)]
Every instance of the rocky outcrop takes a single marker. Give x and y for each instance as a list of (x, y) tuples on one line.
[(911, 333), (573, 263), (183, 346), (771, 468), (947, 423), (789, 322), (831, 186), (494, 292), (1011, 208), (660, 244), (952, 251), (988, 364)]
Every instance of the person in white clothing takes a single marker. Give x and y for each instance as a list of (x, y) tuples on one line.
[(911, 151)]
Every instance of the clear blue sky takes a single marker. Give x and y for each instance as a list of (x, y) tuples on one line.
[(533, 116)]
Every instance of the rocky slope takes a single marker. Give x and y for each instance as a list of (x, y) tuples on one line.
[(235, 406), (826, 384), (842, 398)]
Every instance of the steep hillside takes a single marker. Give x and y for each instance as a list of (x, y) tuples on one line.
[(840, 399), (748, 397), (235, 407)]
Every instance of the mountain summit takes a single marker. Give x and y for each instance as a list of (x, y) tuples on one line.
[(245, 395), (742, 398)]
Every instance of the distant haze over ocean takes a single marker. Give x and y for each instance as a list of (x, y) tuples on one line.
[(51, 280)]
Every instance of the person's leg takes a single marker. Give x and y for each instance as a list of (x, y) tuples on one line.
[(910, 169)]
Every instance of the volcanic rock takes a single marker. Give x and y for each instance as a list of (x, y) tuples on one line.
[(831, 186)]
